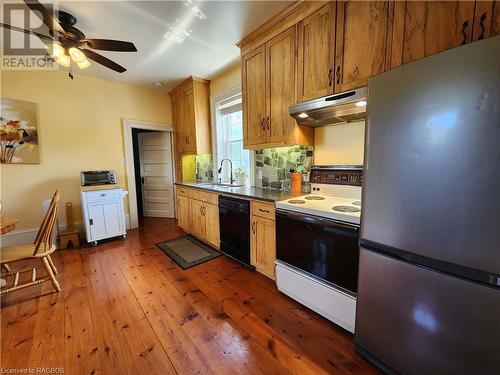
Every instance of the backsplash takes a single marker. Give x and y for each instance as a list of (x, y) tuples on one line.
[(204, 168), (275, 164)]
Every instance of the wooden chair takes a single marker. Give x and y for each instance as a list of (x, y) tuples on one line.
[(40, 249)]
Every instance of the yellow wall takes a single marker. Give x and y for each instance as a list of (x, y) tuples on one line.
[(339, 144), (80, 128), (227, 79)]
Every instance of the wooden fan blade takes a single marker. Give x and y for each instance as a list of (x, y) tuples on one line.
[(110, 45), (46, 16), (103, 61), (15, 28)]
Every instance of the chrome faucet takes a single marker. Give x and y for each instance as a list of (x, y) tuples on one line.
[(231, 181)]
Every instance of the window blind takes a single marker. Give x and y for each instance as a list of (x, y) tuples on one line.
[(230, 105)]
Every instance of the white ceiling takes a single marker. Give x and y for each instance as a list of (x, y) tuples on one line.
[(208, 49)]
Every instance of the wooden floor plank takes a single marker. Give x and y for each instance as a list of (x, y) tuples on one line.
[(126, 308)]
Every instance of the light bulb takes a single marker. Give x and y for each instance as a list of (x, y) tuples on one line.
[(77, 55), (303, 115), (55, 50), (83, 64), (361, 103), (63, 60)]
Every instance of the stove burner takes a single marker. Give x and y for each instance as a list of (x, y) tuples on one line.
[(346, 208), (315, 198), (357, 203), (296, 201)]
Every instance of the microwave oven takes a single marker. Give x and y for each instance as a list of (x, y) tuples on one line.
[(90, 178)]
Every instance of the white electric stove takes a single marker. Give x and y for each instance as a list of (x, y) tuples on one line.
[(329, 199), (317, 243)]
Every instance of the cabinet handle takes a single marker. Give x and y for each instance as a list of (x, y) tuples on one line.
[(261, 210), (481, 20), (464, 26), (268, 121), (203, 210), (253, 227), (330, 81), (91, 221), (338, 74), (262, 126)]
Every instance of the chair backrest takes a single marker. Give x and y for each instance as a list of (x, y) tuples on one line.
[(44, 236)]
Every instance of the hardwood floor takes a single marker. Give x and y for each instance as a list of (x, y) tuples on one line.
[(126, 308)]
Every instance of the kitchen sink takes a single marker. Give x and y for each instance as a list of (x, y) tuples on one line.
[(220, 185)]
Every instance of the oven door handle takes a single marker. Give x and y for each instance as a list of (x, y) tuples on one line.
[(316, 220)]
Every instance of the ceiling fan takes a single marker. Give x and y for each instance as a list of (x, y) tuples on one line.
[(66, 43)]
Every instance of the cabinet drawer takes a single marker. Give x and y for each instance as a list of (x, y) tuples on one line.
[(204, 196), (265, 210), (183, 191), (102, 195)]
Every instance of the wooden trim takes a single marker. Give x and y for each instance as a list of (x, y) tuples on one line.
[(289, 17), (395, 48), (129, 160)]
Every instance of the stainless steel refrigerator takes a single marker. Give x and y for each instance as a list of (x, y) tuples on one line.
[(429, 276)]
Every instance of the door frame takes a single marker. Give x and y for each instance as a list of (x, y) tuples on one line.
[(129, 160)]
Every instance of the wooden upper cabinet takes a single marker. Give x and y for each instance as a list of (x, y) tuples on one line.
[(191, 110), (316, 40), (254, 96), (423, 28), (281, 90), (361, 42), (486, 19), (269, 75)]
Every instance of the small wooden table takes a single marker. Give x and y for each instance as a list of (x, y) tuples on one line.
[(6, 226)]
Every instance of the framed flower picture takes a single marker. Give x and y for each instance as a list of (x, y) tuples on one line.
[(18, 132)]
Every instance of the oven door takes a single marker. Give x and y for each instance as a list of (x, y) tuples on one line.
[(325, 248)]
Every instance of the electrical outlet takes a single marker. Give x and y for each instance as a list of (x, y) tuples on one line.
[(260, 175)]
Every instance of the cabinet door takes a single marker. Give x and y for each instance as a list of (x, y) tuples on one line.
[(281, 86), (316, 41), (212, 235), (112, 218), (197, 226), (486, 19), (183, 212), (263, 245), (190, 125), (361, 40), (423, 28), (181, 116), (97, 221), (254, 96)]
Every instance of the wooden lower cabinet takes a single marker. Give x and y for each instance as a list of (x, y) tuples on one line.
[(197, 218), (198, 214), (263, 245), (212, 232), (183, 213)]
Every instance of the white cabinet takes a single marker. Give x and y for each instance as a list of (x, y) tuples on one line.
[(103, 213)]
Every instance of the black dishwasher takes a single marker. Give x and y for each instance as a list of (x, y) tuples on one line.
[(234, 219)]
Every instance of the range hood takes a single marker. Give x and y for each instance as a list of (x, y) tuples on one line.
[(345, 107)]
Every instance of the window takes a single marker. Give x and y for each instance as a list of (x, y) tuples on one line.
[(229, 135)]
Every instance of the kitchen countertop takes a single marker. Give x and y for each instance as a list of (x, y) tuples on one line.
[(242, 191)]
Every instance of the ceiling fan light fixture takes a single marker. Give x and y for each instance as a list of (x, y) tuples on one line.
[(84, 64), (77, 55)]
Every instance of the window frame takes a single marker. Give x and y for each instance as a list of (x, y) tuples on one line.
[(216, 118)]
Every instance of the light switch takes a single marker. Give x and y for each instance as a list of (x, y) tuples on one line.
[(260, 175)]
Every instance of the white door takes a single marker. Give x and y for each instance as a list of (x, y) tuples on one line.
[(155, 150)]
